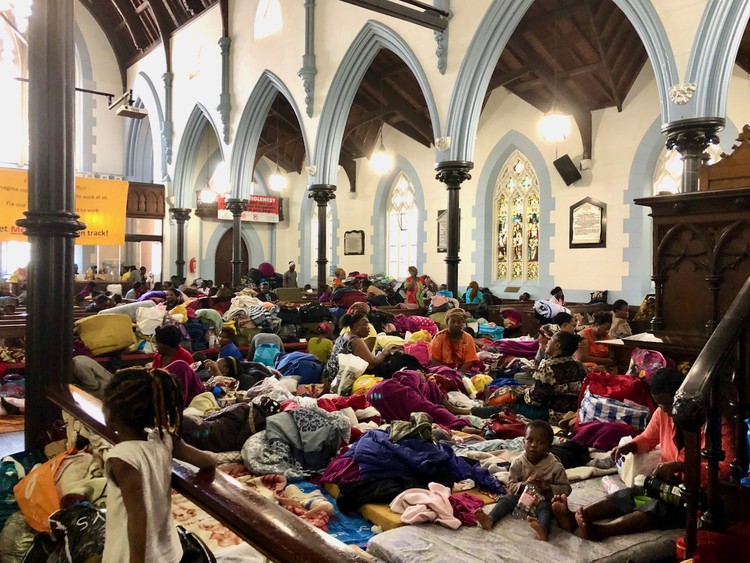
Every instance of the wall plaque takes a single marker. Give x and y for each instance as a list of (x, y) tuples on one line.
[(588, 224), (354, 242)]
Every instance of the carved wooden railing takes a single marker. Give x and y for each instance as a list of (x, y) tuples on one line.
[(272, 530), (698, 403)]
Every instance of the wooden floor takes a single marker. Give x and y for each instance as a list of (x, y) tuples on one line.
[(11, 443)]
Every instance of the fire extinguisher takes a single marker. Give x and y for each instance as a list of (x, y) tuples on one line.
[(193, 264)]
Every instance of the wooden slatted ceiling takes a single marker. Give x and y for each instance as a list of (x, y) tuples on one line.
[(588, 45)]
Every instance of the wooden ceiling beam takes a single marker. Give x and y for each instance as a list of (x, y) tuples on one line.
[(507, 77), (561, 76), (130, 20), (603, 57), (563, 12), (424, 14)]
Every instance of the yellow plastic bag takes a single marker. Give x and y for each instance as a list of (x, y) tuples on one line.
[(363, 383), (419, 336)]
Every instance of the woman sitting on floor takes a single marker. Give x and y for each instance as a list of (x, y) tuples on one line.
[(620, 505), (454, 347), (362, 308), (353, 342), (594, 353), (473, 295), (557, 381)]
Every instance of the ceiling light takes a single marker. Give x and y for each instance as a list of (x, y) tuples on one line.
[(207, 195), (277, 181), (381, 162), (554, 126)]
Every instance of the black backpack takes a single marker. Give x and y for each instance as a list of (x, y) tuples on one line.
[(314, 313)]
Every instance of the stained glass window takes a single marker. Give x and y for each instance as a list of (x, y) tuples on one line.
[(668, 172), (402, 222), (517, 221)]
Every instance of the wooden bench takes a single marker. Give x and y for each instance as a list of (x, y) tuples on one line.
[(272, 530)]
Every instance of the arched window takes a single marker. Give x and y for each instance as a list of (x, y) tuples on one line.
[(14, 140), (314, 240), (402, 227), (668, 171), (267, 18), (517, 221)]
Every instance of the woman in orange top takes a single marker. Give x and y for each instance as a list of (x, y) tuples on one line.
[(592, 352), (629, 517), (453, 347)]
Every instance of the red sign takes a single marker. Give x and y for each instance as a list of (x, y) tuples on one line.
[(260, 208)]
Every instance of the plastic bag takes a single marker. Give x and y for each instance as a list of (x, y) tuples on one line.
[(632, 465), (149, 319), (36, 493), (80, 529), (350, 368)]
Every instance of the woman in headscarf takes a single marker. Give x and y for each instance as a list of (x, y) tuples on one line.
[(473, 295), (454, 347)]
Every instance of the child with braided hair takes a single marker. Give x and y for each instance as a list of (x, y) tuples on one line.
[(144, 407)]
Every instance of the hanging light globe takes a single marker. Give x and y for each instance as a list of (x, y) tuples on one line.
[(554, 126), (277, 181), (207, 195), (381, 162)]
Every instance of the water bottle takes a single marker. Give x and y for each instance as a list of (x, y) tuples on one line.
[(658, 488), (527, 503)]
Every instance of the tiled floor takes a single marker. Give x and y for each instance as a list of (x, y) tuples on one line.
[(11, 443)]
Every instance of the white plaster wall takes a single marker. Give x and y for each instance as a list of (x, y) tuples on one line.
[(109, 129), (616, 135), (680, 20)]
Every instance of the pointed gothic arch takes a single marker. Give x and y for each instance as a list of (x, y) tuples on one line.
[(498, 25), (251, 125), (188, 153), (373, 37)]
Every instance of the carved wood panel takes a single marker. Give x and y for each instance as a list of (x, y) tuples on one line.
[(145, 201)]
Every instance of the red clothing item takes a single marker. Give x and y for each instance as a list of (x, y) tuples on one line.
[(661, 431), (180, 354)]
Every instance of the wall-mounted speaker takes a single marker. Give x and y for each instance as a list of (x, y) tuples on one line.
[(567, 169)]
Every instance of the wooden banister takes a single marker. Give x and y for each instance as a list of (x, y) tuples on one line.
[(697, 403), (272, 530)]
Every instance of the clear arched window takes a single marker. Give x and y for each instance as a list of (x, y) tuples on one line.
[(402, 223), (14, 140), (668, 171), (267, 18), (314, 240), (516, 206)]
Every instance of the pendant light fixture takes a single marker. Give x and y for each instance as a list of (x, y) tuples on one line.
[(277, 181), (554, 125), (381, 161)]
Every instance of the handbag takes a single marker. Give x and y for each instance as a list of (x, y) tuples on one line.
[(194, 549), (506, 425)]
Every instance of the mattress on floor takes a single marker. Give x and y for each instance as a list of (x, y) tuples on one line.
[(514, 540), (381, 515)]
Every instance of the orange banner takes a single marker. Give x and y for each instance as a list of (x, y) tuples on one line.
[(102, 205)]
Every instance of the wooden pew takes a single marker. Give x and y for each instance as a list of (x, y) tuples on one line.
[(272, 530)]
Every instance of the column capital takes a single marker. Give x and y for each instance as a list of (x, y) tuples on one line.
[(693, 135), (180, 214), (236, 206), (51, 224), (321, 193), (453, 172)]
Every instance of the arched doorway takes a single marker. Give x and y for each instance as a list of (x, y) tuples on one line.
[(223, 258)]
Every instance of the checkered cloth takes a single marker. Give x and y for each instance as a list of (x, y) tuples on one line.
[(604, 409)]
